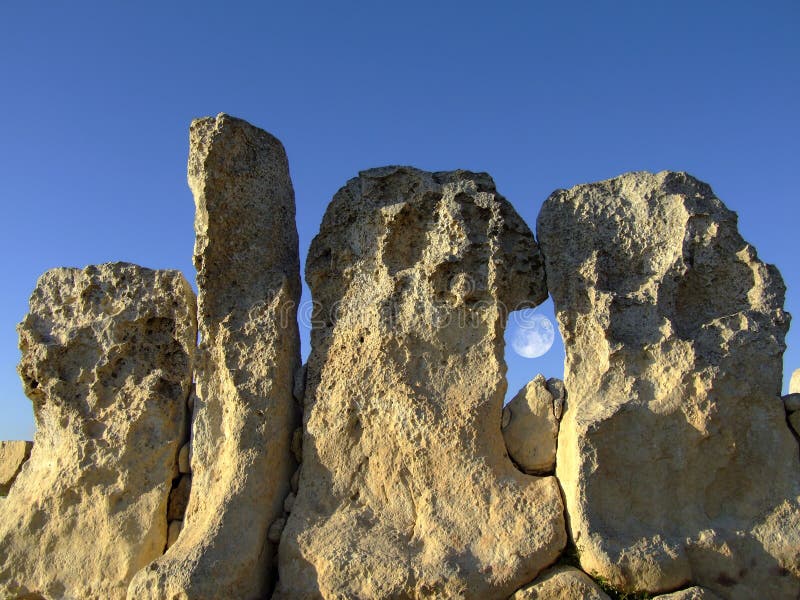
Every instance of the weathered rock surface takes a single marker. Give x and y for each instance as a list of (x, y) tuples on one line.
[(794, 422), (794, 383), (791, 404), (692, 593), (561, 583), (248, 277), (13, 455), (106, 361), (405, 487), (673, 452), (532, 429)]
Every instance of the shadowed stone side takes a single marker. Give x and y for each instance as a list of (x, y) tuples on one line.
[(106, 361), (406, 490), (248, 279), (673, 452)]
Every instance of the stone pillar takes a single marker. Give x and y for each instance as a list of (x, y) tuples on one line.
[(406, 489), (673, 453), (248, 279)]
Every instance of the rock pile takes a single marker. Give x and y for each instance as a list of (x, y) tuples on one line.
[(664, 463)]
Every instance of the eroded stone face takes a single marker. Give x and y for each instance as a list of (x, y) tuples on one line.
[(674, 455), (405, 488), (248, 278), (106, 361), (13, 455), (561, 583)]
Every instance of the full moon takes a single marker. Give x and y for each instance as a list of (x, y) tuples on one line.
[(532, 334)]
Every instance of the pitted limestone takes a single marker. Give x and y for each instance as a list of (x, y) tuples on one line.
[(674, 454), (248, 279), (405, 488), (106, 360)]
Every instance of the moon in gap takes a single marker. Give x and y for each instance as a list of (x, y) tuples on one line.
[(533, 336)]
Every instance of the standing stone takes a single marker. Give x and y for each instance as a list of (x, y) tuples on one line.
[(13, 455), (248, 278), (106, 361), (794, 384), (561, 583), (532, 429), (674, 456), (406, 490)]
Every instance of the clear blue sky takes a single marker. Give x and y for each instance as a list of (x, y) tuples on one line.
[(97, 97)]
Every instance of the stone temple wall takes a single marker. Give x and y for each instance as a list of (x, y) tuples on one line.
[(182, 451)]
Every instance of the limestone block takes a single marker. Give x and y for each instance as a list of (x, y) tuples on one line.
[(248, 279), (406, 489), (106, 361), (532, 429), (561, 583), (673, 453), (13, 455)]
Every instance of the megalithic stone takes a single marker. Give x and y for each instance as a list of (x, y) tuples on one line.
[(107, 362), (248, 280), (794, 384), (674, 455), (561, 583), (406, 489), (13, 454), (532, 428)]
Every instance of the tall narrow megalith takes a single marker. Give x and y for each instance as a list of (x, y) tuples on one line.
[(246, 255), (676, 461), (406, 490)]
